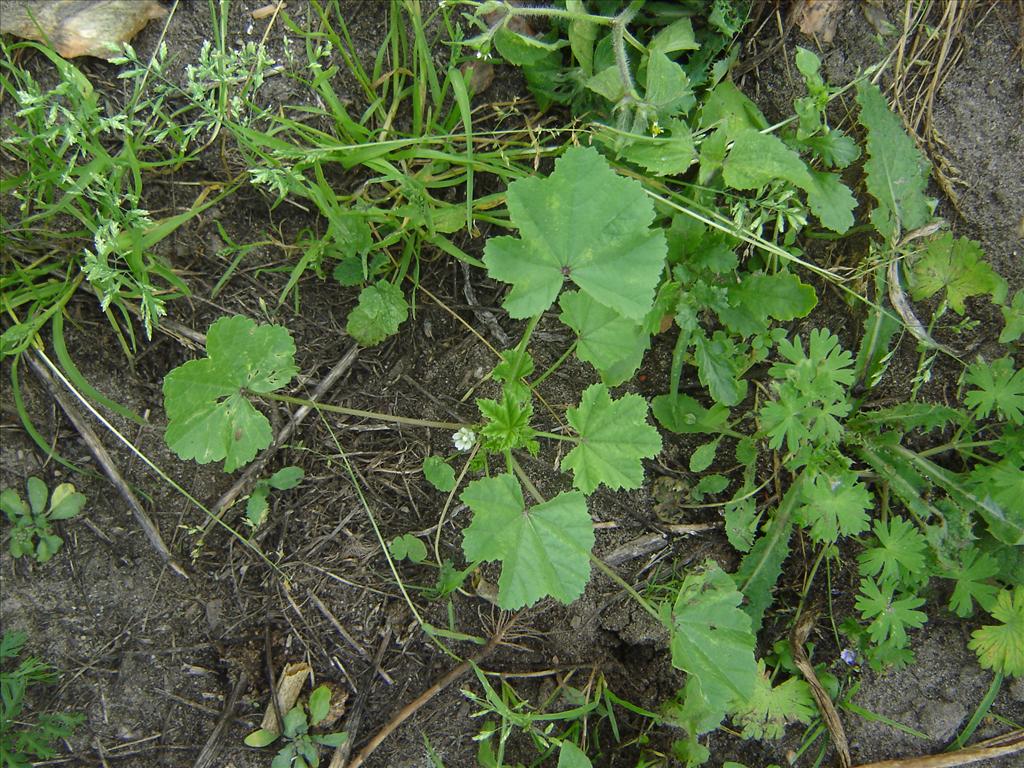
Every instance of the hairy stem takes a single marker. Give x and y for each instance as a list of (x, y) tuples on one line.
[(364, 414)]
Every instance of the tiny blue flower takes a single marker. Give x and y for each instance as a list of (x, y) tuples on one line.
[(849, 656)]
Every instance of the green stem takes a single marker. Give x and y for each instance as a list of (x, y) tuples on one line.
[(619, 47), (608, 571), (555, 436), (554, 366), (524, 340), (559, 13), (361, 413), (955, 446)]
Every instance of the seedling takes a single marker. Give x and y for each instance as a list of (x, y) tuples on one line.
[(301, 748), (32, 533), (24, 738), (282, 480)]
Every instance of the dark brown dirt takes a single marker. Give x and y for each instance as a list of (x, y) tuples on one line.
[(149, 657)]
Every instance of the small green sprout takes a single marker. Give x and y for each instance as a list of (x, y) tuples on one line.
[(301, 748), (32, 534)]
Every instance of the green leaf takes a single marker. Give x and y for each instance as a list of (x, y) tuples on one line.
[(712, 154), (711, 638), (331, 739), (608, 83), (741, 520), (759, 297), (613, 438), (685, 416), (65, 503), (613, 344), (209, 418), (287, 757), (1000, 647), (971, 577), (834, 503), (770, 709), (701, 458), (836, 149), (731, 109), (261, 738), (544, 550), (830, 200), (876, 345), (12, 505), (508, 423), (522, 50), (1013, 319), (256, 507), (757, 159), (667, 88), (1000, 387), (439, 473), (355, 270), (514, 368), (718, 368), (582, 35), (896, 172), (295, 722), (663, 155), (37, 495), (899, 555), (319, 704), (381, 310), (760, 568), (585, 224), (408, 547), (1001, 488), (889, 616), (958, 267), (709, 485), (571, 756), (677, 36), (286, 478)]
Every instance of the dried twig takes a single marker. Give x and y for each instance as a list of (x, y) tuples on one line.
[(149, 529), (827, 709), (216, 739), (355, 717), (1007, 744), (256, 468), (348, 637), (413, 707)]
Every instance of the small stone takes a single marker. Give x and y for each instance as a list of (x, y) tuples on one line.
[(941, 719), (1017, 689)]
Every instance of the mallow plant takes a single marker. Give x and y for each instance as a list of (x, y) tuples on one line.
[(591, 246)]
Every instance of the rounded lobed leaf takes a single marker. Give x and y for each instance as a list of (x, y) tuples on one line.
[(584, 224), (544, 550), (209, 418)]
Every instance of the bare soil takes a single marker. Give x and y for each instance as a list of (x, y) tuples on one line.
[(150, 657)]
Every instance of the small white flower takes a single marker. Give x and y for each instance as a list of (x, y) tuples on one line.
[(464, 439)]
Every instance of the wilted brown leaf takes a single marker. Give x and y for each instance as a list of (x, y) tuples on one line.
[(820, 17)]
